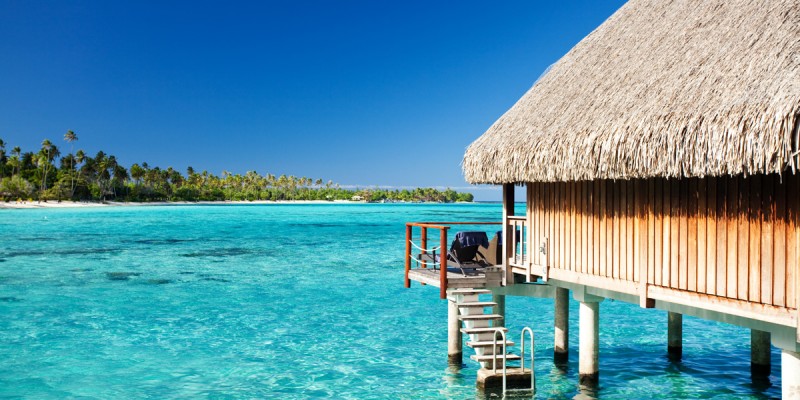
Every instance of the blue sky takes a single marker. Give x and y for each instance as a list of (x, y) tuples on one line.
[(359, 92)]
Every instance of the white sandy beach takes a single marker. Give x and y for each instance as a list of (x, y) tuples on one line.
[(77, 204)]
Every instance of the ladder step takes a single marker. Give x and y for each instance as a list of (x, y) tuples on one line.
[(509, 357), (470, 291), (489, 343), (470, 331), (478, 304), (480, 317)]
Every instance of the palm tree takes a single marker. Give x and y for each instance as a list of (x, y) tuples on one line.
[(137, 173), (2, 158), (15, 163), (16, 151), (120, 176), (48, 153), (71, 137)]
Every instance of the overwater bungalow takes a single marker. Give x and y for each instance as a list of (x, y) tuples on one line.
[(659, 163)]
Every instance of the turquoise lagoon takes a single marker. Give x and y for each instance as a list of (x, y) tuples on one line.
[(290, 301)]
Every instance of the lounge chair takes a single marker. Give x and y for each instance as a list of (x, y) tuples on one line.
[(464, 251)]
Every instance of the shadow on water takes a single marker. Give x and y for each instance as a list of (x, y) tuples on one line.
[(157, 281), (213, 279), (158, 241), (121, 276), (760, 381), (66, 252), (10, 299), (225, 252)]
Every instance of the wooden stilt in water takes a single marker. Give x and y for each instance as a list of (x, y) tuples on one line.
[(561, 348), (588, 368), (790, 375), (675, 336), (760, 352), (454, 347), (500, 308)]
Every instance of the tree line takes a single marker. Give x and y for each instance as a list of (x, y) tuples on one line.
[(48, 175)]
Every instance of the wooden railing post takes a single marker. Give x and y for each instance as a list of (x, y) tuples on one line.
[(408, 254), (443, 263), (424, 244), (508, 232)]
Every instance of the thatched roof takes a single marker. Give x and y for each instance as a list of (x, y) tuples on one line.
[(663, 88)]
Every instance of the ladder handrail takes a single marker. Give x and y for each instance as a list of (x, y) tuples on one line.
[(522, 356), (494, 353)]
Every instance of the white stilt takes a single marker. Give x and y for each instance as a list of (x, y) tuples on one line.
[(790, 374), (500, 308), (759, 352), (588, 367), (675, 335), (561, 348), (454, 352)]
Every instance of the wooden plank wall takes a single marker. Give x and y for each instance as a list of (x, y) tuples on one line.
[(732, 237)]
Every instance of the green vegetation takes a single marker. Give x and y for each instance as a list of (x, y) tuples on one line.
[(46, 175)]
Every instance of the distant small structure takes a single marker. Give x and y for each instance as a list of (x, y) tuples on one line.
[(357, 198)]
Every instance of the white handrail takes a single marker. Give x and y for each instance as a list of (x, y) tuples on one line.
[(494, 354), (418, 261), (522, 356), (432, 249)]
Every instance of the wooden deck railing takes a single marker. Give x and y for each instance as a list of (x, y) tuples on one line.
[(443, 227), (518, 225)]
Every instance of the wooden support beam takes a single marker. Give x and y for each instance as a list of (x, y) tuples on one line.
[(508, 234), (408, 255), (443, 264)]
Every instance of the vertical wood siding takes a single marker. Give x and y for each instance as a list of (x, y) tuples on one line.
[(731, 237)]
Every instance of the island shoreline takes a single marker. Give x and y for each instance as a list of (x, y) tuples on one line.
[(51, 204)]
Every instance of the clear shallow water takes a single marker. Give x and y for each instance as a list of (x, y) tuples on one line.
[(290, 301)]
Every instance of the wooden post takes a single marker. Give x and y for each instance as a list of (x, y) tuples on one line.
[(531, 238), (561, 349), (408, 254), (443, 264), (423, 242), (674, 336), (454, 346), (759, 352), (508, 234)]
